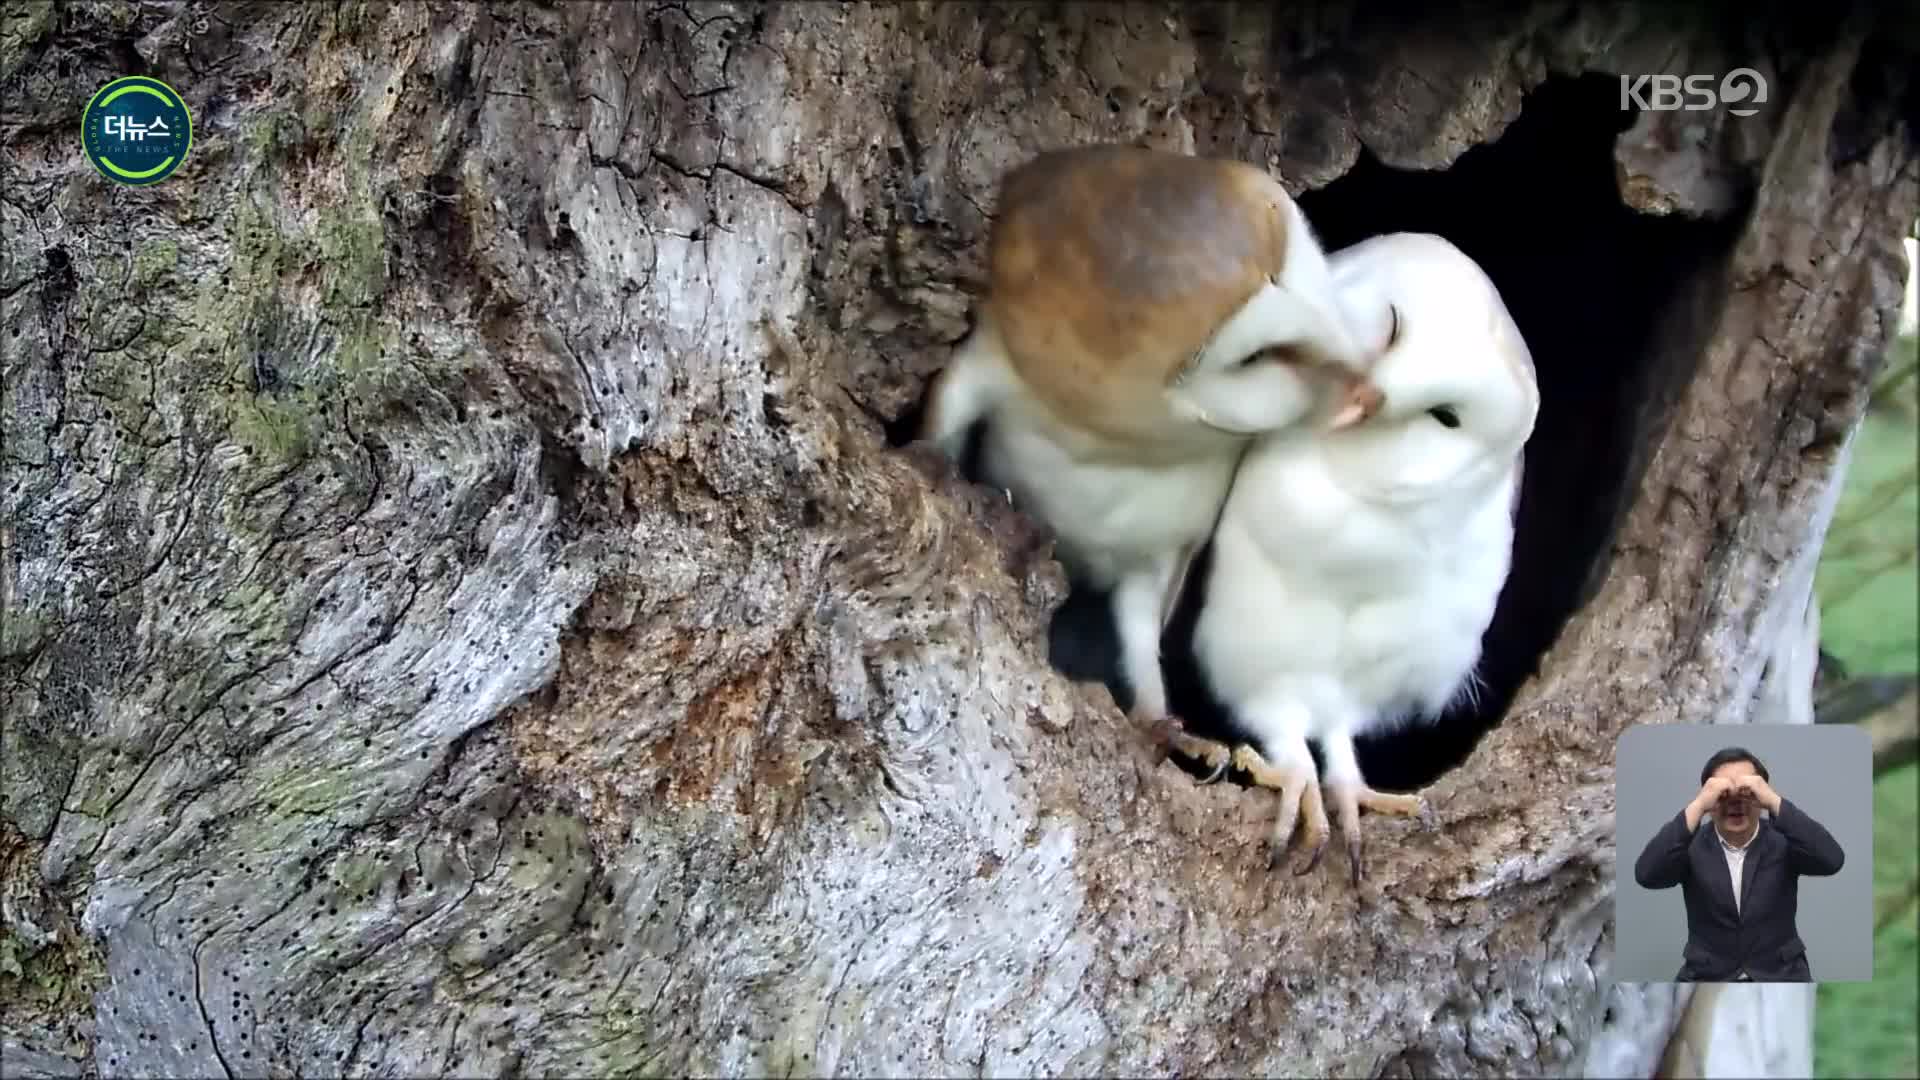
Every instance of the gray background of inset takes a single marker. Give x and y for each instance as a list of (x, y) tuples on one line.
[(1825, 769)]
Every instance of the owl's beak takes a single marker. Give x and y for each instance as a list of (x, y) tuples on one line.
[(1361, 400)]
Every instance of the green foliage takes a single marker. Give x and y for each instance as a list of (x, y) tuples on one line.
[(1867, 584), (1897, 390), (1868, 577), (1866, 1029)]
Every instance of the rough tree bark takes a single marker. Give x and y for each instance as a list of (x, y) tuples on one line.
[(463, 613)]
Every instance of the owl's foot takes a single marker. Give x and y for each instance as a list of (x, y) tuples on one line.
[(1350, 799), (1214, 755), (1162, 731), (1300, 803)]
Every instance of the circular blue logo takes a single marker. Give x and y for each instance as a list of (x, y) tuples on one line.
[(136, 130)]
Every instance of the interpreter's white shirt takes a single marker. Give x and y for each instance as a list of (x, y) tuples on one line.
[(1736, 859)]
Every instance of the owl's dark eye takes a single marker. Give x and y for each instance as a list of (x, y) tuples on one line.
[(1446, 415), (1393, 334)]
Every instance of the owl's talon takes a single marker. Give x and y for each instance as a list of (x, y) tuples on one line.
[(1300, 802), (1169, 734), (1313, 860), (1350, 799)]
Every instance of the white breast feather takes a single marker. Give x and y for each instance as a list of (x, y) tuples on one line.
[(1367, 615), (1110, 515)]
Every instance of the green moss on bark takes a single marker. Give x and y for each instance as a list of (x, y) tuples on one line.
[(49, 972), (22, 25), (154, 261)]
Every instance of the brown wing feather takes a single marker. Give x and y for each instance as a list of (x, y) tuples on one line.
[(1110, 266)]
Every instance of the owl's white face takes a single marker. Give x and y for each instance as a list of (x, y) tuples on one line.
[(1460, 399)]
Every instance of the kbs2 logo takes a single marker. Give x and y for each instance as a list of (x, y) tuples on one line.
[(1695, 93)]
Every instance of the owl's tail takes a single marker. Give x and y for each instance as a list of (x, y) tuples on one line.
[(973, 384)]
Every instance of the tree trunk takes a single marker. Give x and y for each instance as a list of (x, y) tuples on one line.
[(464, 614)]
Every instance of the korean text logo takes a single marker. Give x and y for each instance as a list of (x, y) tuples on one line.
[(136, 130)]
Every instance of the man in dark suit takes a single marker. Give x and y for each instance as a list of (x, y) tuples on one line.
[(1741, 878)]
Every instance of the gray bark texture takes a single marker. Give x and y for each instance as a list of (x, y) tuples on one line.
[(463, 615)]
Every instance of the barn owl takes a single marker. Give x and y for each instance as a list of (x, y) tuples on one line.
[(1147, 313), (1355, 571)]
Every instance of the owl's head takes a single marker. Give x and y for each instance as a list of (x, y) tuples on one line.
[(1456, 381)]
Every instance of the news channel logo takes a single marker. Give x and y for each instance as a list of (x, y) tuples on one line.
[(1695, 93), (136, 130)]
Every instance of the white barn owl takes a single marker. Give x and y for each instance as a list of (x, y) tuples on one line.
[(1355, 571), (1147, 313)]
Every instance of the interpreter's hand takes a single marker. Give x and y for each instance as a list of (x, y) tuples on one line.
[(1756, 788), (1710, 793)]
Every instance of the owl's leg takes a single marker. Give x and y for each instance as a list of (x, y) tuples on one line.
[(1350, 793), (1138, 598), (1290, 773), (1278, 723)]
